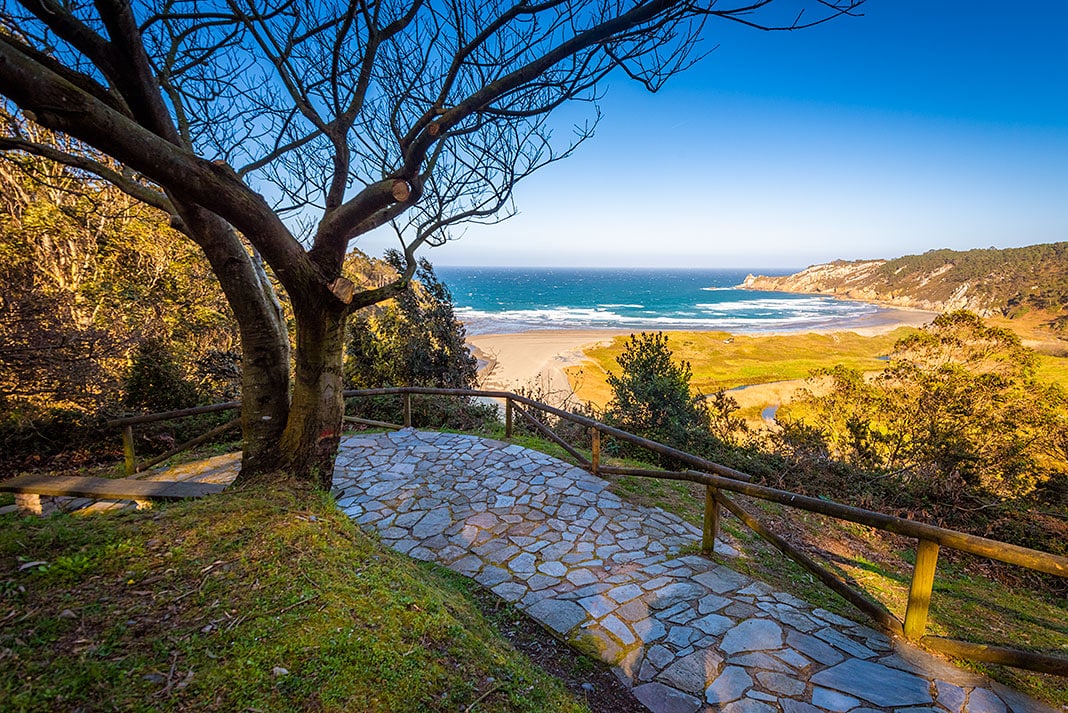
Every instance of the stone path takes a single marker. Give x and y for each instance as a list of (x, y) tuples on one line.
[(685, 633)]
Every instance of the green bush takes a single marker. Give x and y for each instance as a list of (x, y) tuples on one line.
[(156, 382)]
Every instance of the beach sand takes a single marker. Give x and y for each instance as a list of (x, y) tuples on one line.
[(537, 359), (534, 360)]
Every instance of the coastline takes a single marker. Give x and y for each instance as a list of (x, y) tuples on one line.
[(536, 359)]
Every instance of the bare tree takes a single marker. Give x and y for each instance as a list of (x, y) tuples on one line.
[(277, 132)]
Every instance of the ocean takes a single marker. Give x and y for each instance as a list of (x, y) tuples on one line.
[(497, 300)]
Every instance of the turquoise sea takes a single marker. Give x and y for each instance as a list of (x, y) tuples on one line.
[(493, 300)]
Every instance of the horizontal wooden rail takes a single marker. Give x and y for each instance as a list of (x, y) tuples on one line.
[(168, 415), (374, 423), (654, 446), (548, 433), (107, 488), (991, 549), (217, 431), (1031, 660), (921, 589), (869, 606), (982, 546)]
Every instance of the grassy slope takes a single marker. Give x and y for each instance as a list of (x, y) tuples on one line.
[(246, 601)]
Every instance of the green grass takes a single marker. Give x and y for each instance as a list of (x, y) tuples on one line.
[(1053, 369), (252, 600), (722, 361)]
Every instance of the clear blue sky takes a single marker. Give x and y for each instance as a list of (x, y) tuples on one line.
[(919, 125)]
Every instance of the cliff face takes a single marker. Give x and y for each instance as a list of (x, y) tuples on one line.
[(863, 280), (987, 282)]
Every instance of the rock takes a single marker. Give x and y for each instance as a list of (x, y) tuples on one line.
[(814, 648), (753, 635), (713, 624), (731, 684), (878, 684), (781, 684), (674, 593), (659, 698), (834, 701), (560, 616), (693, 673), (984, 701)]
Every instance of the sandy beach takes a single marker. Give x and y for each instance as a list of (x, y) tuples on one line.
[(536, 359)]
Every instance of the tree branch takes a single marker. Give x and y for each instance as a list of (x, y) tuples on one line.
[(127, 185)]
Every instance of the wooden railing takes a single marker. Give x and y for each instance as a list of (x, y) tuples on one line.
[(127, 424), (717, 478)]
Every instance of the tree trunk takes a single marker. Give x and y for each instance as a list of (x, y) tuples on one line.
[(313, 430), (264, 338)]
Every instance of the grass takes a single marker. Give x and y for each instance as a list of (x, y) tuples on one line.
[(1053, 369), (722, 361), (251, 600)]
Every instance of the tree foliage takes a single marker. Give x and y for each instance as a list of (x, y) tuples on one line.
[(958, 405), (414, 340), (651, 395), (274, 133), (88, 275), (155, 382)]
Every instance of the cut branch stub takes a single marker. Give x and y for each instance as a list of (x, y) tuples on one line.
[(401, 190), (343, 289)]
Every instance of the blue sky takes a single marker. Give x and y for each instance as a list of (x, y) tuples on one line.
[(919, 125)]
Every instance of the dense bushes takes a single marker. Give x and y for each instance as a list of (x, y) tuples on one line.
[(956, 431), (414, 340), (651, 395), (105, 308), (956, 412)]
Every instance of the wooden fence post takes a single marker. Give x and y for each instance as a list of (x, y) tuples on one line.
[(595, 451), (129, 455), (407, 410), (923, 573), (507, 417), (711, 529)]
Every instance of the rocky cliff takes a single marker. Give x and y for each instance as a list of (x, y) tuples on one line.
[(987, 282)]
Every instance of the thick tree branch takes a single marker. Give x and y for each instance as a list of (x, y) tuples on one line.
[(127, 185), (59, 19), (61, 106)]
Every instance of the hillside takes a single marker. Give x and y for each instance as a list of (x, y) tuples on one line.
[(990, 282)]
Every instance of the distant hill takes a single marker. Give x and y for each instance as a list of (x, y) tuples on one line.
[(990, 282)]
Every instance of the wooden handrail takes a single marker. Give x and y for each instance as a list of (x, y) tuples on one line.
[(654, 446), (991, 549), (168, 415)]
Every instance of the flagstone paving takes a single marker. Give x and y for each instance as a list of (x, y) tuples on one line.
[(686, 634)]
